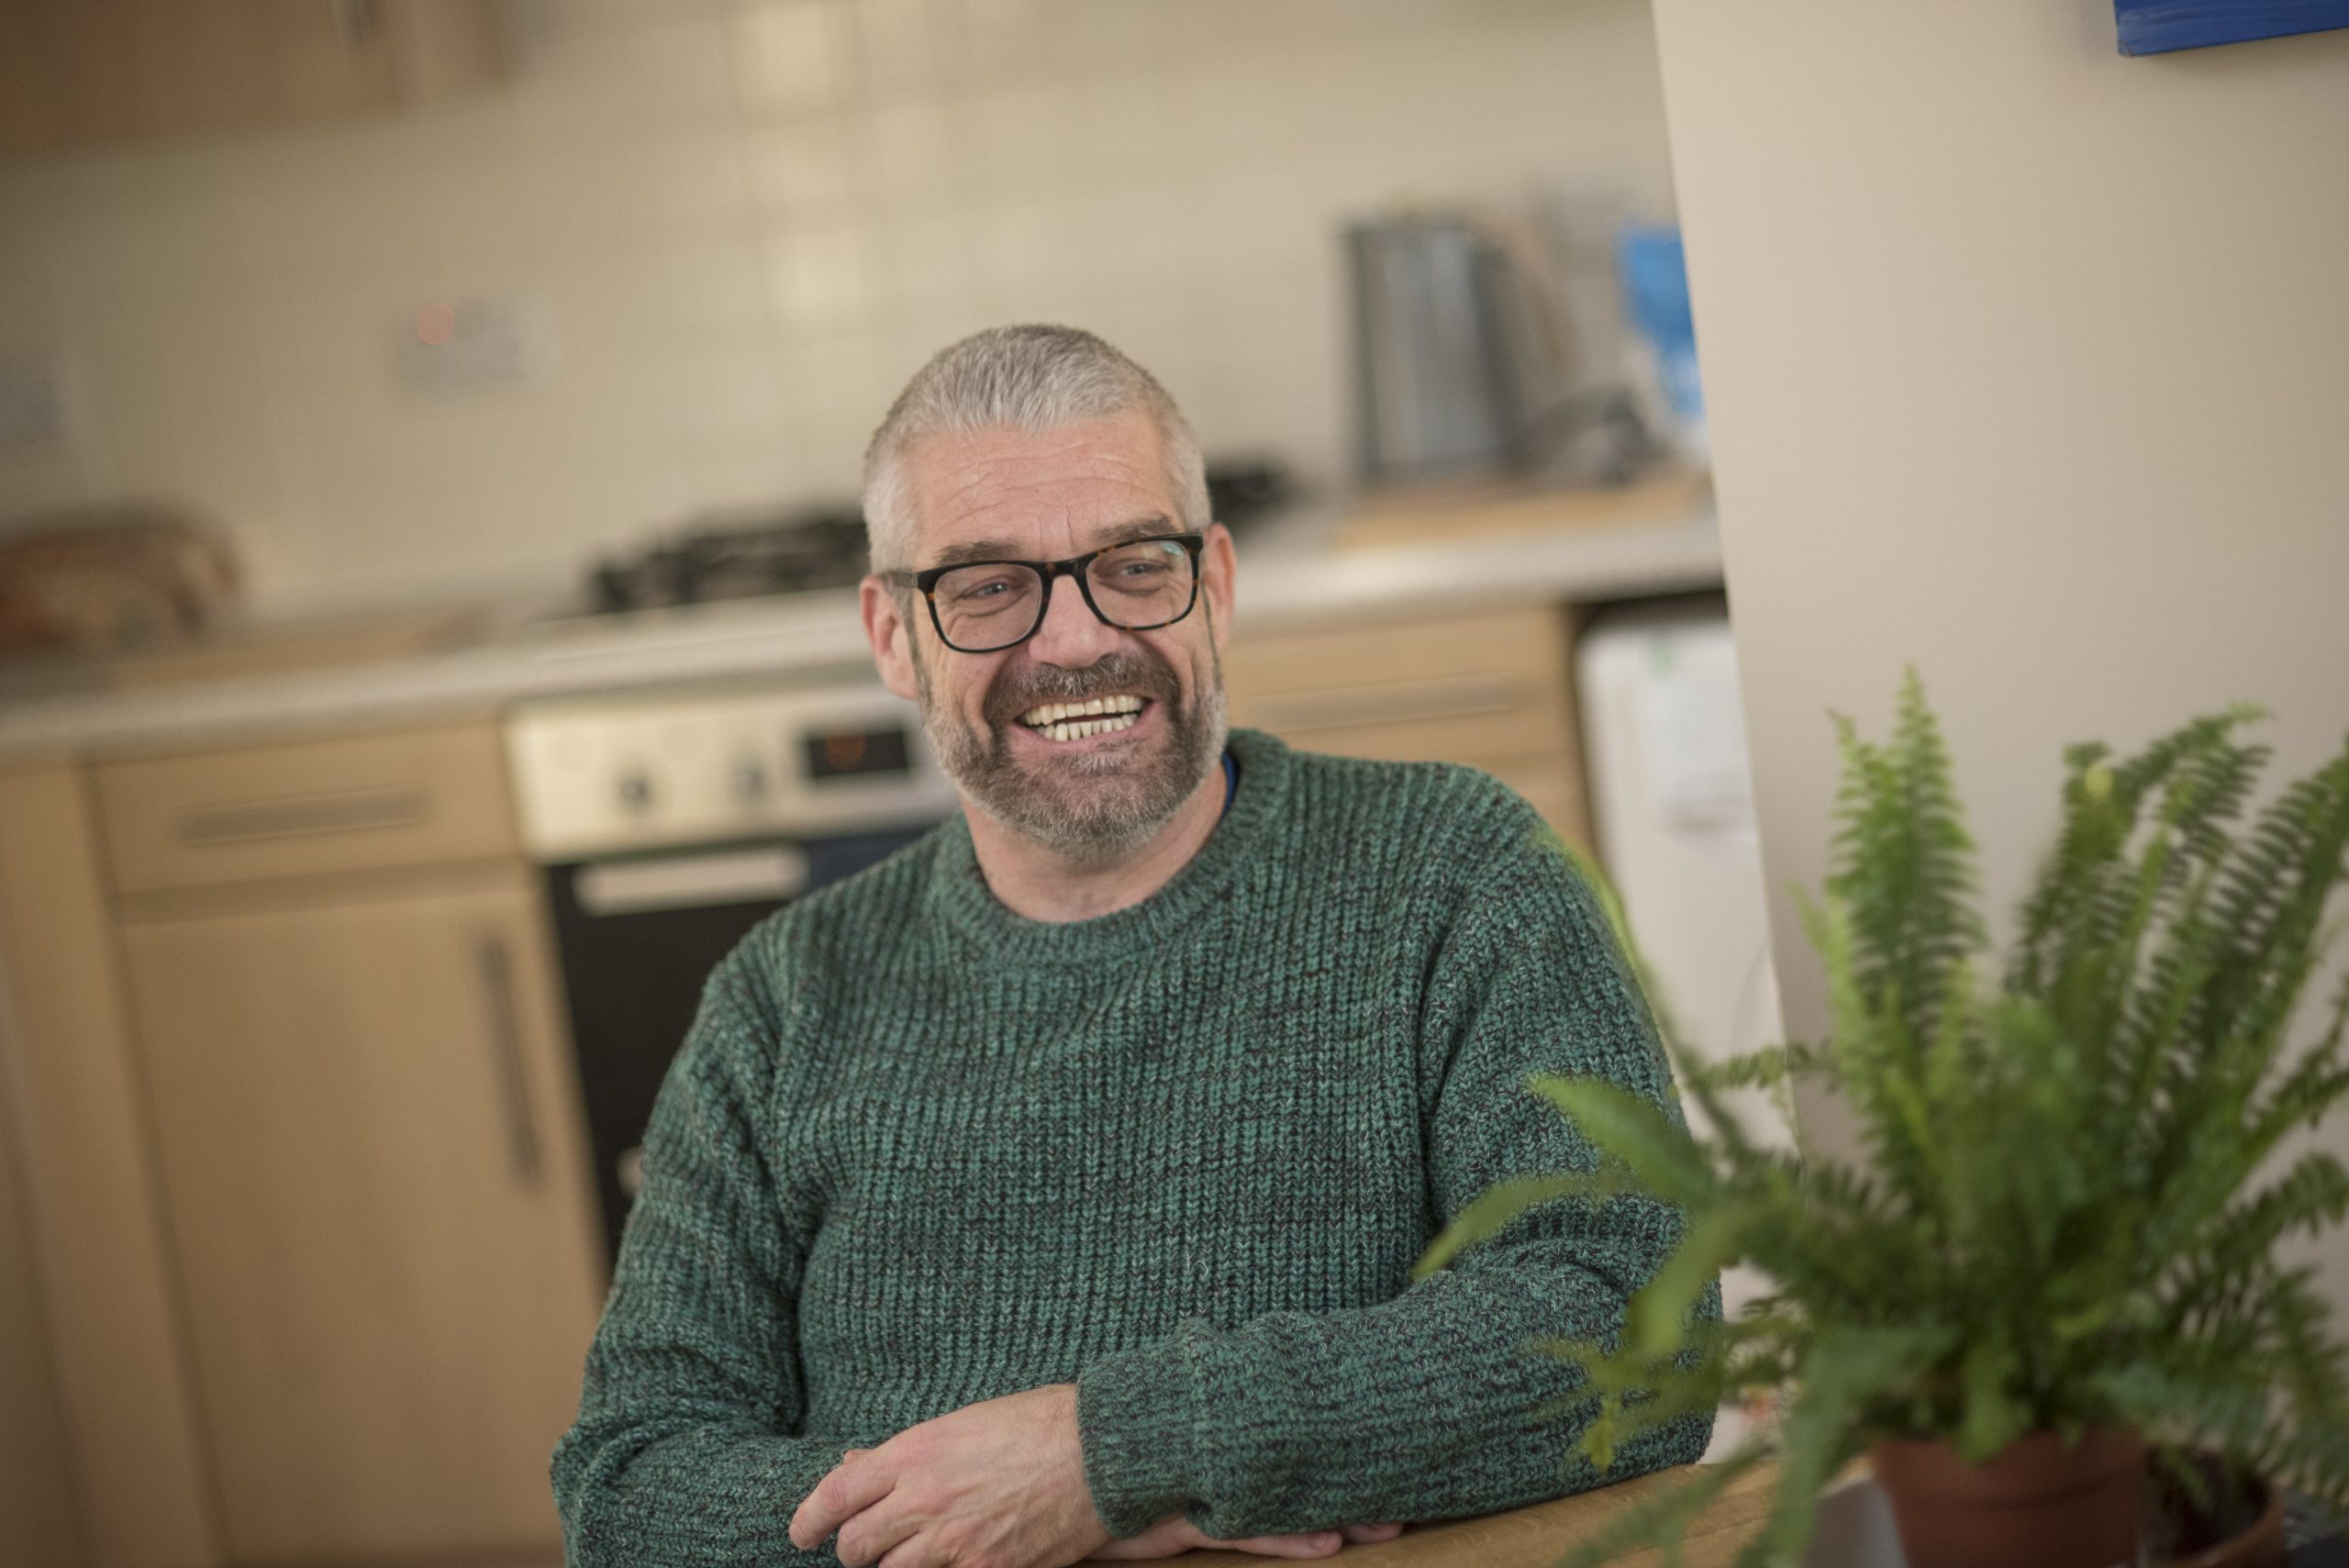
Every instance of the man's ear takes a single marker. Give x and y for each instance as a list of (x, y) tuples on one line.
[(892, 638), (1218, 566)]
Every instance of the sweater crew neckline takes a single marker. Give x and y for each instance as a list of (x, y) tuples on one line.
[(960, 895)]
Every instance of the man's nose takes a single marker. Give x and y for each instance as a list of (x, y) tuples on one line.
[(1071, 635)]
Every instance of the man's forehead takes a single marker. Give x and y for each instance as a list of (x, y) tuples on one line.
[(1013, 491), (946, 551)]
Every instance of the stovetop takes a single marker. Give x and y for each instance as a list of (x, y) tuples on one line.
[(745, 555), (736, 558)]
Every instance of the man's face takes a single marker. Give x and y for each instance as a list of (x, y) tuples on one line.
[(1045, 496)]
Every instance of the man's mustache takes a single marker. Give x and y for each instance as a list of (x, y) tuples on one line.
[(1121, 672)]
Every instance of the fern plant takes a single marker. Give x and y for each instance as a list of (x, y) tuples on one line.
[(2068, 1213)]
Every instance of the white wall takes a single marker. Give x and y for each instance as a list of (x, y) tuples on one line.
[(2026, 363), (750, 219)]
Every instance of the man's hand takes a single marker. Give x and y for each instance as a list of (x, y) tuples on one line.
[(1000, 1483), (995, 1485)]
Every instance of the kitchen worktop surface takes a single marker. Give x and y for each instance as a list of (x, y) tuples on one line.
[(1310, 566)]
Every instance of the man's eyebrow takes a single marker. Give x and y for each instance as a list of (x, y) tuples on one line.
[(1004, 549), (1141, 528), (977, 550)]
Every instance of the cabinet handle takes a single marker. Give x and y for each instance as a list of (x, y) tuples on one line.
[(355, 20), (303, 816), (506, 1058)]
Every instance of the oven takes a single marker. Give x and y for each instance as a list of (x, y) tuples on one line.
[(666, 825)]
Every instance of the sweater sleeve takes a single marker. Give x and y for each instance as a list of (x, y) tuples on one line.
[(684, 1452), (1418, 1407)]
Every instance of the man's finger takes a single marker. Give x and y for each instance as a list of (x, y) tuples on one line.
[(1363, 1533), (855, 1483), (1310, 1543), (886, 1529), (922, 1551)]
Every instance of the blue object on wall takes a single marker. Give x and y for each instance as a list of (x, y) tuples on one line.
[(1655, 296), (2156, 27)]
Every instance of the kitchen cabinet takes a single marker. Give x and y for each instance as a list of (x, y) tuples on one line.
[(309, 1213), (79, 72), (37, 1519), (366, 1134), (133, 1440), (362, 1120), (352, 805), (1492, 689)]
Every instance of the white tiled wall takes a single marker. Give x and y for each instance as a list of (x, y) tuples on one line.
[(747, 220)]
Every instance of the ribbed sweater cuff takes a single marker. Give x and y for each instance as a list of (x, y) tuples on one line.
[(1136, 1419)]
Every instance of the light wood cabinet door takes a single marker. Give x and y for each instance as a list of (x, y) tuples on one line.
[(140, 1479), (380, 802), (366, 1127), (37, 1524)]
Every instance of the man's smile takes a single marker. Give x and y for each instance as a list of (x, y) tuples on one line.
[(1061, 722)]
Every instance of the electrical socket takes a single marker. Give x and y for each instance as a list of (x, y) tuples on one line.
[(37, 407)]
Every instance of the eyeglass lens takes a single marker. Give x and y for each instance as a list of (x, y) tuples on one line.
[(991, 606)]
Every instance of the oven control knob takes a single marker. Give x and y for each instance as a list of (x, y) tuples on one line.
[(750, 780), (635, 792)]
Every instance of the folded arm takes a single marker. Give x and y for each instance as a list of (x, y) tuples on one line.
[(681, 1456), (1418, 1408)]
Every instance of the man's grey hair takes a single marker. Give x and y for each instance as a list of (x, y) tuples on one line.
[(1031, 378)]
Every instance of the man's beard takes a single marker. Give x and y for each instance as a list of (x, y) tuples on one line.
[(1093, 804)]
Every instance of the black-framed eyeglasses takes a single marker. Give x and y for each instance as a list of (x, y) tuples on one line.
[(985, 607)]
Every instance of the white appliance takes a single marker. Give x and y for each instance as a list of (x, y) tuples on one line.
[(1672, 799)]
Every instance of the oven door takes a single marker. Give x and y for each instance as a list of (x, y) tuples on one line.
[(639, 935)]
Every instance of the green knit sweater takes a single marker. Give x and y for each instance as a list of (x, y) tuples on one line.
[(919, 1152)]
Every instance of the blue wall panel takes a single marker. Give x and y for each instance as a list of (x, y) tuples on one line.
[(2152, 26)]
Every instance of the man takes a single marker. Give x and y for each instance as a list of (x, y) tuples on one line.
[(1052, 1188)]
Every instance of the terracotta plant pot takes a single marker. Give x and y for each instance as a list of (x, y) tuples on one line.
[(2037, 1505), (2251, 1535)]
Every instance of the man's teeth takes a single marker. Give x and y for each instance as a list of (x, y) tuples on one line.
[(1075, 720), (1053, 712)]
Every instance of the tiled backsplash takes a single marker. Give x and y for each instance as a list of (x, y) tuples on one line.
[(746, 224)]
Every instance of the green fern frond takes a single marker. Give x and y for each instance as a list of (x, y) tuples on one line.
[(1494, 1208), (2063, 1213), (1904, 862)]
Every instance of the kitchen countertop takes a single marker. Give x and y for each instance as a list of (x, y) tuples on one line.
[(1289, 574)]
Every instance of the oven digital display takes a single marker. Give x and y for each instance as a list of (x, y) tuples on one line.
[(842, 753)]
